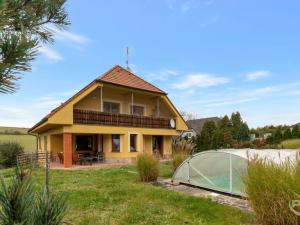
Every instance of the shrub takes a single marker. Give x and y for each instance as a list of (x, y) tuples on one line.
[(270, 188), (178, 158), (181, 145), (148, 167), (8, 153)]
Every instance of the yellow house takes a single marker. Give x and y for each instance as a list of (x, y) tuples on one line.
[(118, 115)]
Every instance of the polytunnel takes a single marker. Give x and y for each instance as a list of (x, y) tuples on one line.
[(223, 170)]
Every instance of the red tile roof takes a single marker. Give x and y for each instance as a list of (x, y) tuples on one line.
[(116, 75), (120, 76)]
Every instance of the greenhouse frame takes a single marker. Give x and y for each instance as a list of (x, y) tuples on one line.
[(223, 170)]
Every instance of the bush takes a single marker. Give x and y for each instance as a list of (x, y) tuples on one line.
[(181, 145), (270, 188), (8, 153), (148, 167), (178, 158)]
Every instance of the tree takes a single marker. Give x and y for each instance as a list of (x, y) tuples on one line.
[(296, 131), (278, 136), (236, 121), (23, 26), (243, 133), (187, 115), (206, 138), (287, 134)]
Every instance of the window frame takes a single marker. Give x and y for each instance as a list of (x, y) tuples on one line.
[(111, 107), (135, 142), (131, 110)]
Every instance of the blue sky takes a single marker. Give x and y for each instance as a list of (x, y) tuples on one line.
[(213, 57)]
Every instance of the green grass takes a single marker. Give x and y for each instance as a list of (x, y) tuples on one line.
[(291, 144), (115, 196), (12, 130), (27, 141)]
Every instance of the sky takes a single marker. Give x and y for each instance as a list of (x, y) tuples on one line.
[(212, 57)]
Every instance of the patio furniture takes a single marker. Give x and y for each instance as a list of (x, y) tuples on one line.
[(61, 157), (99, 157), (76, 158), (86, 160)]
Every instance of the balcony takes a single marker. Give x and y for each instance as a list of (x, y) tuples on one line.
[(115, 119)]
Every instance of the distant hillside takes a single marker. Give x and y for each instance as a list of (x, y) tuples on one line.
[(13, 130), (18, 134)]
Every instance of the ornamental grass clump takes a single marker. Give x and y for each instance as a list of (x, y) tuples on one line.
[(181, 149), (148, 167), (272, 190)]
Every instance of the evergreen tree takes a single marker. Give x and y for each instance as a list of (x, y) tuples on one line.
[(296, 131), (243, 133), (278, 136), (287, 134), (237, 122), (205, 140), (23, 25)]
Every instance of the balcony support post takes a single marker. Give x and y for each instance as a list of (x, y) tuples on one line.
[(132, 103), (101, 100), (157, 107)]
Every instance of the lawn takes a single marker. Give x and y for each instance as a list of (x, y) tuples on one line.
[(115, 196), (27, 141), (291, 144)]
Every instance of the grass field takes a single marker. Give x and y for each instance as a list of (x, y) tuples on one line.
[(291, 144), (115, 196), (12, 130), (27, 141)]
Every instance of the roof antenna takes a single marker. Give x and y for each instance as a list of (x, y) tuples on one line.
[(127, 58)]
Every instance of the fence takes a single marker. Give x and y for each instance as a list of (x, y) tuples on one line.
[(32, 158)]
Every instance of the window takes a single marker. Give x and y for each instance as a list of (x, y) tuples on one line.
[(111, 107), (137, 110), (133, 142), (84, 143), (115, 143)]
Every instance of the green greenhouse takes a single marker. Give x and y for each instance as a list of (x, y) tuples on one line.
[(223, 170)]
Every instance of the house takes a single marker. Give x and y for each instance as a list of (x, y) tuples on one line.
[(118, 114), (190, 133), (197, 124), (266, 135)]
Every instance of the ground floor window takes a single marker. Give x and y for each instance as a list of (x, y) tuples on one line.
[(133, 142), (115, 143), (84, 143)]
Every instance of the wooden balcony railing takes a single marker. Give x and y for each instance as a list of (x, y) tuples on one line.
[(115, 119)]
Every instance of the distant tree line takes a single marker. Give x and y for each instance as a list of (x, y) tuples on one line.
[(222, 134), (280, 133)]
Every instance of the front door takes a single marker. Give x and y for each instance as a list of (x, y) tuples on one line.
[(157, 145)]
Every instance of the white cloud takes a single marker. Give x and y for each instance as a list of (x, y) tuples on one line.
[(50, 54), (200, 80), (188, 5), (224, 102), (161, 75), (69, 36), (258, 74)]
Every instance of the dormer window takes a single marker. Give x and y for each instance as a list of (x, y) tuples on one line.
[(111, 107)]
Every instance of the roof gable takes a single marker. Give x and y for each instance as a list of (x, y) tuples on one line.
[(120, 76)]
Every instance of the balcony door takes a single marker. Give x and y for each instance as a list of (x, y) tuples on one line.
[(157, 145)]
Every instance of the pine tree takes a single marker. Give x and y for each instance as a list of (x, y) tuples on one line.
[(296, 131), (287, 134), (23, 26)]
